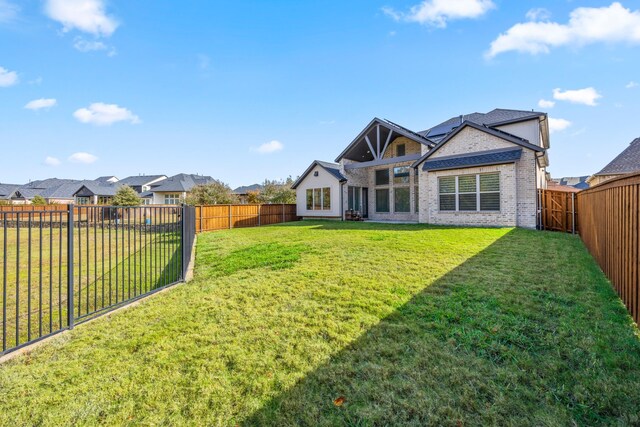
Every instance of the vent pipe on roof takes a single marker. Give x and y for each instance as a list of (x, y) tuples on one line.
[(461, 118)]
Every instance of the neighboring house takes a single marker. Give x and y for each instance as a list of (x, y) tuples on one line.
[(7, 191), (243, 192), (626, 162), (53, 190), (476, 169), (142, 183), (94, 193), (174, 190)]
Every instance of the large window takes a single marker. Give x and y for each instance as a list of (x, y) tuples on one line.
[(382, 200), (401, 175), (478, 192), (401, 201), (382, 177), (172, 199), (400, 150), (354, 198), (319, 199)]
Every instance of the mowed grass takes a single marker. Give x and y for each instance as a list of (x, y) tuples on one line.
[(403, 324), (109, 266)]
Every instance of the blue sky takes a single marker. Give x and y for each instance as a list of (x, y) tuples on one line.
[(248, 90)]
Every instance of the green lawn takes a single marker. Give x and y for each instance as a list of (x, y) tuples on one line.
[(409, 324)]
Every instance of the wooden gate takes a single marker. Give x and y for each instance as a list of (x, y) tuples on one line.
[(557, 211)]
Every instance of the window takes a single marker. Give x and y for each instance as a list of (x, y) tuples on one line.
[(416, 199), (479, 192), (400, 150), (310, 199), (401, 175), (382, 177), (382, 200), (354, 198), (401, 201), (326, 198), (104, 200), (83, 200), (172, 199), (318, 199)]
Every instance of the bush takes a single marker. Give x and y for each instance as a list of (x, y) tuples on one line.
[(213, 193), (126, 196), (38, 200)]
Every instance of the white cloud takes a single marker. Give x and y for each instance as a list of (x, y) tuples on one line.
[(543, 103), (8, 11), (102, 114), (437, 13), (631, 85), (8, 78), (270, 147), (586, 96), (52, 161), (557, 125), (82, 157), (38, 104), (538, 14), (586, 25), (83, 45), (88, 16)]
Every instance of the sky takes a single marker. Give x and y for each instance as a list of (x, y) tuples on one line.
[(252, 90)]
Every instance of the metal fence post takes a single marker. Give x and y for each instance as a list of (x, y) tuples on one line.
[(70, 305), (182, 234)]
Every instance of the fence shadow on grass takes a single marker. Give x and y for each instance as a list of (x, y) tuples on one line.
[(502, 338), (325, 225)]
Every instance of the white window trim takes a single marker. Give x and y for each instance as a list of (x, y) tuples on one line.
[(313, 199), (457, 193)]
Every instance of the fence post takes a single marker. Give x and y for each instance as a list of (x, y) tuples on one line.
[(283, 213), (70, 305), (230, 216), (259, 214), (573, 213), (182, 246)]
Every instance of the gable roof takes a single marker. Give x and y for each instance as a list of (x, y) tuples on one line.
[(579, 182), (244, 189), (48, 183), (99, 189), (392, 127), (332, 168), (181, 182), (496, 117), (140, 179), (7, 190), (481, 158), (626, 162), (495, 132), (105, 179)]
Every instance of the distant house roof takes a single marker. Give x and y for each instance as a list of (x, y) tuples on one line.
[(496, 117), (141, 179), (332, 168), (106, 179), (481, 158), (579, 182), (92, 188), (181, 182), (626, 162), (7, 190), (246, 188), (48, 183)]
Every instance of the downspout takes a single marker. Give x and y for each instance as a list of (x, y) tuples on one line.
[(342, 200)]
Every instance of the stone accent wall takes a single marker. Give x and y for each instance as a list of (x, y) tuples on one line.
[(518, 185), (410, 147)]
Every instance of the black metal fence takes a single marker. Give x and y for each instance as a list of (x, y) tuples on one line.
[(60, 268)]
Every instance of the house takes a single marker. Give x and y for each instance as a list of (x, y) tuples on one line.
[(94, 193), (53, 190), (243, 192), (7, 191), (626, 162), (570, 183), (474, 169), (142, 183), (174, 190)]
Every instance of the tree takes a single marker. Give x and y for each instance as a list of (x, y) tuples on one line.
[(253, 197), (278, 191), (213, 193), (126, 196), (38, 200)]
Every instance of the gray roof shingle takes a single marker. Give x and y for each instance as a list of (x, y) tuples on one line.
[(626, 162), (332, 168), (482, 158), (181, 182), (140, 179), (6, 190)]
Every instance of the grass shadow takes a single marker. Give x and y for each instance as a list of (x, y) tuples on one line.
[(497, 340)]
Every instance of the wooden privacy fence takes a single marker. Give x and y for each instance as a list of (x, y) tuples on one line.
[(609, 220), (558, 211), (220, 217)]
